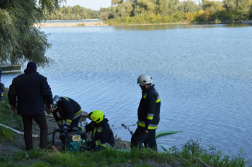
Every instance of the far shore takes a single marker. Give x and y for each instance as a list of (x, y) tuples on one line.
[(75, 24), (73, 20), (93, 24)]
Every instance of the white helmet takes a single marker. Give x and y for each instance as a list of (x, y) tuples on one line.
[(56, 99), (144, 79)]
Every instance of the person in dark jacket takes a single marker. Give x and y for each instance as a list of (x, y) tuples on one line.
[(1, 87), (28, 94), (148, 114), (66, 112), (102, 134)]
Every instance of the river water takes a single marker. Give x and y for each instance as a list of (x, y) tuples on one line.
[(203, 74)]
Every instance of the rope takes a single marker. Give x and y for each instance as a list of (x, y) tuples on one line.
[(17, 131)]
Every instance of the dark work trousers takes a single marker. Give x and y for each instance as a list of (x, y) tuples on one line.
[(140, 137), (75, 123), (98, 148), (41, 121)]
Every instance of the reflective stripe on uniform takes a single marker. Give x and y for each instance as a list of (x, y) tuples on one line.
[(94, 133), (106, 145), (158, 99), (65, 98), (68, 122), (142, 124), (100, 129), (60, 122), (77, 112), (150, 116), (83, 129), (77, 115)]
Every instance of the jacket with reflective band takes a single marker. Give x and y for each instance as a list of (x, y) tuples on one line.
[(149, 109), (30, 91), (67, 110), (102, 133), (1, 91)]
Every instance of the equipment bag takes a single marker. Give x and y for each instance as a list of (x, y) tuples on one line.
[(74, 146)]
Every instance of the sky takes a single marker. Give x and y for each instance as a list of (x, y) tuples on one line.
[(92, 4)]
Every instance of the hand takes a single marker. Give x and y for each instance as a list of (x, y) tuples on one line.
[(61, 127), (13, 107), (91, 144), (65, 128), (53, 109), (146, 131), (50, 106)]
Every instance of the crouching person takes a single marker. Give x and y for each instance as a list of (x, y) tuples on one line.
[(67, 113), (102, 135)]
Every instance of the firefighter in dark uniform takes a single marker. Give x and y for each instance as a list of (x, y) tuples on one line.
[(66, 112), (102, 135), (148, 115)]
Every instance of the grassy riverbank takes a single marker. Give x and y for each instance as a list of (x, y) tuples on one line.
[(190, 154)]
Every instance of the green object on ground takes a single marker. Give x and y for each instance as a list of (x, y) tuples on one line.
[(165, 133)]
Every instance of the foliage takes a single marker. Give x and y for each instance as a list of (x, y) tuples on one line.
[(237, 5), (169, 11), (72, 13), (19, 40), (188, 6)]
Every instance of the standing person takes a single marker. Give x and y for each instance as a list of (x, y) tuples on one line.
[(1, 87), (31, 91), (148, 114), (66, 112)]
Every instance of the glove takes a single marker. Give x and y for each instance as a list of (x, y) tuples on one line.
[(91, 144), (61, 127), (65, 127)]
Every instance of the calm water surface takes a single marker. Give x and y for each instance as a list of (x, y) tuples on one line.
[(203, 74)]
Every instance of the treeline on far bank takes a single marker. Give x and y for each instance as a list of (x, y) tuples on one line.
[(163, 11), (72, 13), (159, 11)]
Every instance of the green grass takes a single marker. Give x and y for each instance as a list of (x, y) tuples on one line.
[(191, 155), (7, 116), (6, 134)]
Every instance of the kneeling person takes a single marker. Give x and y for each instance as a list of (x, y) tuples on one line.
[(102, 135), (66, 112)]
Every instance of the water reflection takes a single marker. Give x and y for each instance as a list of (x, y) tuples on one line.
[(173, 26)]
